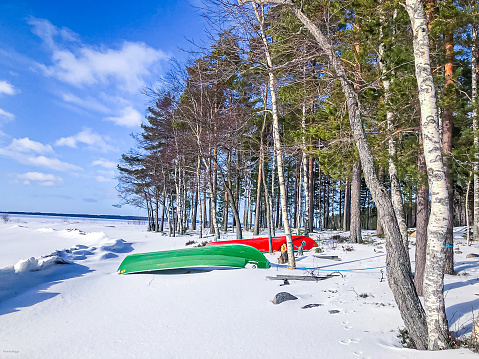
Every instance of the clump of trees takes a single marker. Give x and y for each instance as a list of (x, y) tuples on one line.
[(328, 114)]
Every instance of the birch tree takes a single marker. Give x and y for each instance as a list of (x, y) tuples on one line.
[(438, 330), (276, 137)]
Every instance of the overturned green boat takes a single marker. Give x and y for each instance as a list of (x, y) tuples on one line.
[(220, 256)]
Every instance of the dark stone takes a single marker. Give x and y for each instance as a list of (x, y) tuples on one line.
[(334, 311), (472, 255), (285, 282), (283, 297), (313, 305)]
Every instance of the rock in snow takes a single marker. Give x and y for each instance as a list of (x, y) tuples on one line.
[(283, 297)]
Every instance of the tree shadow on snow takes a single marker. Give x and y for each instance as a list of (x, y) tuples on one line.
[(25, 289), (460, 283), (462, 266), (458, 314)]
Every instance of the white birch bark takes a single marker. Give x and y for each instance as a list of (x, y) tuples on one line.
[(198, 189), (307, 200), (438, 331), (211, 193), (468, 233), (396, 196), (277, 140), (475, 127)]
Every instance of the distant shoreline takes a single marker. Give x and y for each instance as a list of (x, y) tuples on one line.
[(73, 215)]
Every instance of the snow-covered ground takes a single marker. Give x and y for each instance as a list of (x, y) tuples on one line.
[(84, 309)]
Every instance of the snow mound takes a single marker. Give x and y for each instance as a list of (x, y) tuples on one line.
[(27, 265), (108, 255), (45, 230), (119, 246), (33, 264)]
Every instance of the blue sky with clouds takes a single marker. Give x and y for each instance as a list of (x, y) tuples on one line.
[(71, 80)]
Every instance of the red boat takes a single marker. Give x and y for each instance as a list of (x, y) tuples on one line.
[(262, 244)]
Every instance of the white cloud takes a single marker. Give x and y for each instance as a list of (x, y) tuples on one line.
[(7, 88), (25, 151), (128, 65), (129, 117), (79, 64), (52, 163), (94, 141), (104, 163), (88, 103), (103, 179), (40, 178), (6, 116), (48, 32), (26, 145)]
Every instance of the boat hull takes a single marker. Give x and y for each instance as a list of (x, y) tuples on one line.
[(262, 244), (224, 256)]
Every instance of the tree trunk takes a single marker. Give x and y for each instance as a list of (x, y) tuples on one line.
[(205, 212), (347, 206), (277, 141), (475, 127), (269, 206), (355, 230), (311, 194), (297, 180), (446, 145), (258, 193), (228, 179), (163, 209), (379, 226), (197, 195), (438, 331), (468, 229), (306, 188), (260, 166), (396, 196), (422, 218)]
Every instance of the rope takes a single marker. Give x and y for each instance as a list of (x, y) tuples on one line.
[(326, 270), (336, 264)]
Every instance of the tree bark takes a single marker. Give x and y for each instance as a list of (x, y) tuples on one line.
[(306, 188), (467, 213), (446, 145), (379, 226), (311, 194), (197, 195), (422, 219), (277, 141), (163, 209), (396, 196), (347, 206), (438, 331), (355, 230), (475, 127)]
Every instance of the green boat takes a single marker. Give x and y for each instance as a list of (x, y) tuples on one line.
[(221, 256)]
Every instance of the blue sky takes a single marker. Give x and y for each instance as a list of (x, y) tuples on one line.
[(71, 76)]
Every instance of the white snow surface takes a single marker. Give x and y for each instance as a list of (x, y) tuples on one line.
[(61, 297)]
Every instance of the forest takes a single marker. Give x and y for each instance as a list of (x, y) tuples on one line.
[(301, 116)]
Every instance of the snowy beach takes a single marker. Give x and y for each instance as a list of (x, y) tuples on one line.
[(85, 309)]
